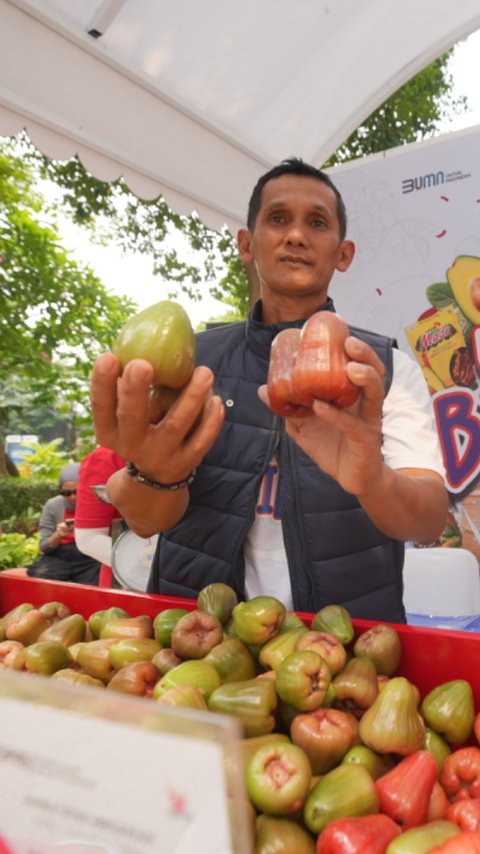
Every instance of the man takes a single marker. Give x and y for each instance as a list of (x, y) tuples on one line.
[(311, 510)]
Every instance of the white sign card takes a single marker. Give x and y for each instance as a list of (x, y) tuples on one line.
[(87, 771)]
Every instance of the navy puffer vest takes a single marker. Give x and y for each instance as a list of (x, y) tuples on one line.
[(335, 553)]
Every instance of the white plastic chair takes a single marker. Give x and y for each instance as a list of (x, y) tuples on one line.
[(441, 582)]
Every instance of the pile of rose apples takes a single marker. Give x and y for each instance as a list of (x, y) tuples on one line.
[(339, 754)]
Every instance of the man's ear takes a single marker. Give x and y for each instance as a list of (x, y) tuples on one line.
[(244, 240), (347, 252)]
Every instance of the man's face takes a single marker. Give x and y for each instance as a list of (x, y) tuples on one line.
[(295, 243)]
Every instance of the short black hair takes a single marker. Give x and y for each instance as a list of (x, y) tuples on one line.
[(295, 166)]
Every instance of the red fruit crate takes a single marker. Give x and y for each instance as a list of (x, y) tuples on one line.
[(429, 656)]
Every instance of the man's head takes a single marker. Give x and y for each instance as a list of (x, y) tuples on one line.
[(294, 166), (295, 239)]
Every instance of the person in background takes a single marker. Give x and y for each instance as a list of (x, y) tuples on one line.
[(311, 510), (95, 514), (59, 558)]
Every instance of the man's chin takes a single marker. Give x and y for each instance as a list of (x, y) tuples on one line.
[(296, 286)]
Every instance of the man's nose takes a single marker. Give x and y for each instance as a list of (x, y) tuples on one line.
[(296, 233)]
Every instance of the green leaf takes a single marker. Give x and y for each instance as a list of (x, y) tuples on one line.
[(440, 295)]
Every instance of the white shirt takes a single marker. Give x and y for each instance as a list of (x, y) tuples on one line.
[(409, 441)]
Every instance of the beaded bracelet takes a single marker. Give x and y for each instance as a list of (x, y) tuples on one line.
[(141, 478)]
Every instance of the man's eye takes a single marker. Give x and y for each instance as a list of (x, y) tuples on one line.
[(277, 218), (318, 223)]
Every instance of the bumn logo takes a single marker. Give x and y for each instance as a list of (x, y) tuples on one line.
[(423, 182)]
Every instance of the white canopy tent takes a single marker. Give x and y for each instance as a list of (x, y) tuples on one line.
[(194, 99)]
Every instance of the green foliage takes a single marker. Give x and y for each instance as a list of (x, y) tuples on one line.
[(19, 496), (21, 504), (46, 422), (147, 228), (12, 401), (440, 295), (46, 461), (18, 550), (412, 113), (55, 314), (26, 523)]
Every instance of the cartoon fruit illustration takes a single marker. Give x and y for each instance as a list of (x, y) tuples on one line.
[(162, 334), (432, 379), (461, 368), (464, 279), (475, 292)]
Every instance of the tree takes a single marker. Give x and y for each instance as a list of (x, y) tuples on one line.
[(412, 113), (55, 314)]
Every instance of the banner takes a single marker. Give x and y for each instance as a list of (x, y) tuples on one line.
[(414, 215)]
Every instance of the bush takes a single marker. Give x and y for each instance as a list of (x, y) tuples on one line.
[(27, 523), (18, 550), (19, 496), (21, 504), (46, 461)]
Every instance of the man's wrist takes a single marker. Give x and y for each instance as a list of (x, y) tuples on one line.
[(144, 479), (382, 483)]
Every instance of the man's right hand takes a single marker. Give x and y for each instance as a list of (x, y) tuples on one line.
[(167, 451)]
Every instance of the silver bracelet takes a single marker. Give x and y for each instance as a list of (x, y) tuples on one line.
[(154, 484)]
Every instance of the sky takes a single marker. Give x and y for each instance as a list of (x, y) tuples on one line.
[(132, 275)]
